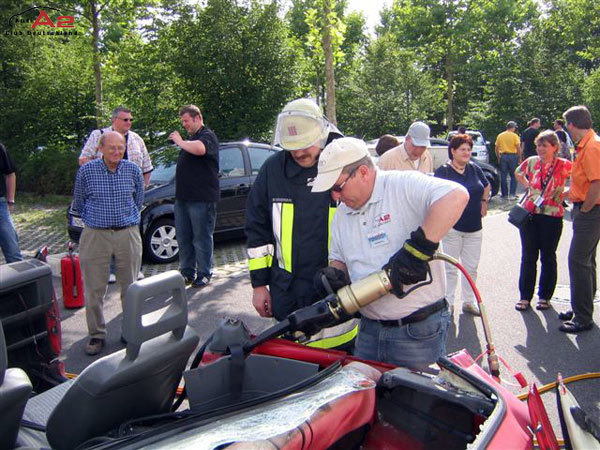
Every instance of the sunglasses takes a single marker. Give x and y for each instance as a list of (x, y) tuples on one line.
[(340, 187), (127, 119)]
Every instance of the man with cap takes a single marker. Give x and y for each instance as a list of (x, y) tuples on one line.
[(508, 153), (288, 227), (393, 220), (412, 154)]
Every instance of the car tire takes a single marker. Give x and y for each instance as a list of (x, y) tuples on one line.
[(160, 242)]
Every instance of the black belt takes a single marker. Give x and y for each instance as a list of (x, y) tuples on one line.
[(417, 316), (116, 228)]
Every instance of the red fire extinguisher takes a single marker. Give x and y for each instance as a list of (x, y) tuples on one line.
[(72, 283)]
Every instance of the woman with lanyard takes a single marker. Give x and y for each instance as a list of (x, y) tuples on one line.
[(464, 240), (545, 177)]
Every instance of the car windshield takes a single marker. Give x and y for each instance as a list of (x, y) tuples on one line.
[(164, 161), (163, 173)]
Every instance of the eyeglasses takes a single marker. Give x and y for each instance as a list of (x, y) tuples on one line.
[(126, 119), (340, 187)]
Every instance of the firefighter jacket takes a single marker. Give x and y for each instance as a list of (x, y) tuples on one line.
[(287, 227)]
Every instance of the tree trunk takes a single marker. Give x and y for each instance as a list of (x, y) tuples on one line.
[(94, 13), (450, 93), (329, 74)]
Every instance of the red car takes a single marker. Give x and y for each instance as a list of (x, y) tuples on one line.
[(259, 392)]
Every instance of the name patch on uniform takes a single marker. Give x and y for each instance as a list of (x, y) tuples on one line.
[(378, 238), (384, 218)]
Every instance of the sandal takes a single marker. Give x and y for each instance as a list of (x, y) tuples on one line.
[(542, 305), (522, 305)]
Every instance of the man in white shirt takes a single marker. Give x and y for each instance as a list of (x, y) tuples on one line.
[(393, 220)]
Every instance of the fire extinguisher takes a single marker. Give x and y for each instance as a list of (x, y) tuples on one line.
[(72, 283)]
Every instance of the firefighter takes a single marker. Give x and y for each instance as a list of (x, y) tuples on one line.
[(288, 226)]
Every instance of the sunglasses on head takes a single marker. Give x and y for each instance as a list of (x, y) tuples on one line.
[(339, 187)]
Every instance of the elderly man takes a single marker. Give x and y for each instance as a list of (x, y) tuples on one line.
[(108, 196), (288, 227), (585, 195), (412, 154), (135, 149), (393, 220), (196, 196), (508, 153)]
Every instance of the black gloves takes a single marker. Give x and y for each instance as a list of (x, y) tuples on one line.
[(335, 277), (409, 265)]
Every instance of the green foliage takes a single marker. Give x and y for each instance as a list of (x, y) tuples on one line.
[(237, 65), (387, 93)]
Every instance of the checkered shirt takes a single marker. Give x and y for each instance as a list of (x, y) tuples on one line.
[(106, 199), (136, 149)]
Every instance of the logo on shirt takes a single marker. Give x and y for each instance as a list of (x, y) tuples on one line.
[(384, 218)]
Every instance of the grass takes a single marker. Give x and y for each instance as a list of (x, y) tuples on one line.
[(41, 212)]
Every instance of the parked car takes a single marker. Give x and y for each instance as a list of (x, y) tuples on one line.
[(481, 147), (239, 163), (439, 154)]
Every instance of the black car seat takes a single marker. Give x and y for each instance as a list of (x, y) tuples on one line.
[(138, 381), (15, 388)]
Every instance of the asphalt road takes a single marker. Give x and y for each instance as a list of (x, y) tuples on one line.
[(529, 341)]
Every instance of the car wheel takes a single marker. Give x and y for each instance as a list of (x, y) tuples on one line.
[(160, 242)]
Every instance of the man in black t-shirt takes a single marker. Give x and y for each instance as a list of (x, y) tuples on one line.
[(9, 242), (196, 196), (528, 138)]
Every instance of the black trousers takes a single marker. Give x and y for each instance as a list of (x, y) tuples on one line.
[(582, 262), (539, 237)]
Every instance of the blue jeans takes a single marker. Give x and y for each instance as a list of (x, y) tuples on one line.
[(9, 241), (195, 224), (415, 345), (508, 165)]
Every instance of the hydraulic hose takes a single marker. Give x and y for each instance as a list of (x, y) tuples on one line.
[(492, 358)]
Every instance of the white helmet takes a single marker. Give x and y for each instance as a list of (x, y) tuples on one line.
[(301, 125)]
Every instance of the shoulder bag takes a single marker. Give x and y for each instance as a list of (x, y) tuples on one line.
[(518, 215)]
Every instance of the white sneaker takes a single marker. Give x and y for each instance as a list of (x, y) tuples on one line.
[(112, 278), (141, 275)]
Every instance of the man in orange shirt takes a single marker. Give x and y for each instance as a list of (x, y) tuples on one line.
[(585, 195)]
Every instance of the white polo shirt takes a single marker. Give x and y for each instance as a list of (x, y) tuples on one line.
[(366, 238)]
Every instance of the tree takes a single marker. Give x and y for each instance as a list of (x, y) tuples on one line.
[(451, 35), (388, 92), (238, 65)]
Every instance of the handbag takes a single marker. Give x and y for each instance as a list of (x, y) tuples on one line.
[(518, 215)]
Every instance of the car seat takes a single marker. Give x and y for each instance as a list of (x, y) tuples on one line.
[(15, 388), (138, 381)]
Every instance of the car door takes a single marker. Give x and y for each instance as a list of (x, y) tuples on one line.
[(234, 181)]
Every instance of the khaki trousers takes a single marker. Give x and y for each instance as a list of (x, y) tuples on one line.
[(96, 247)]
